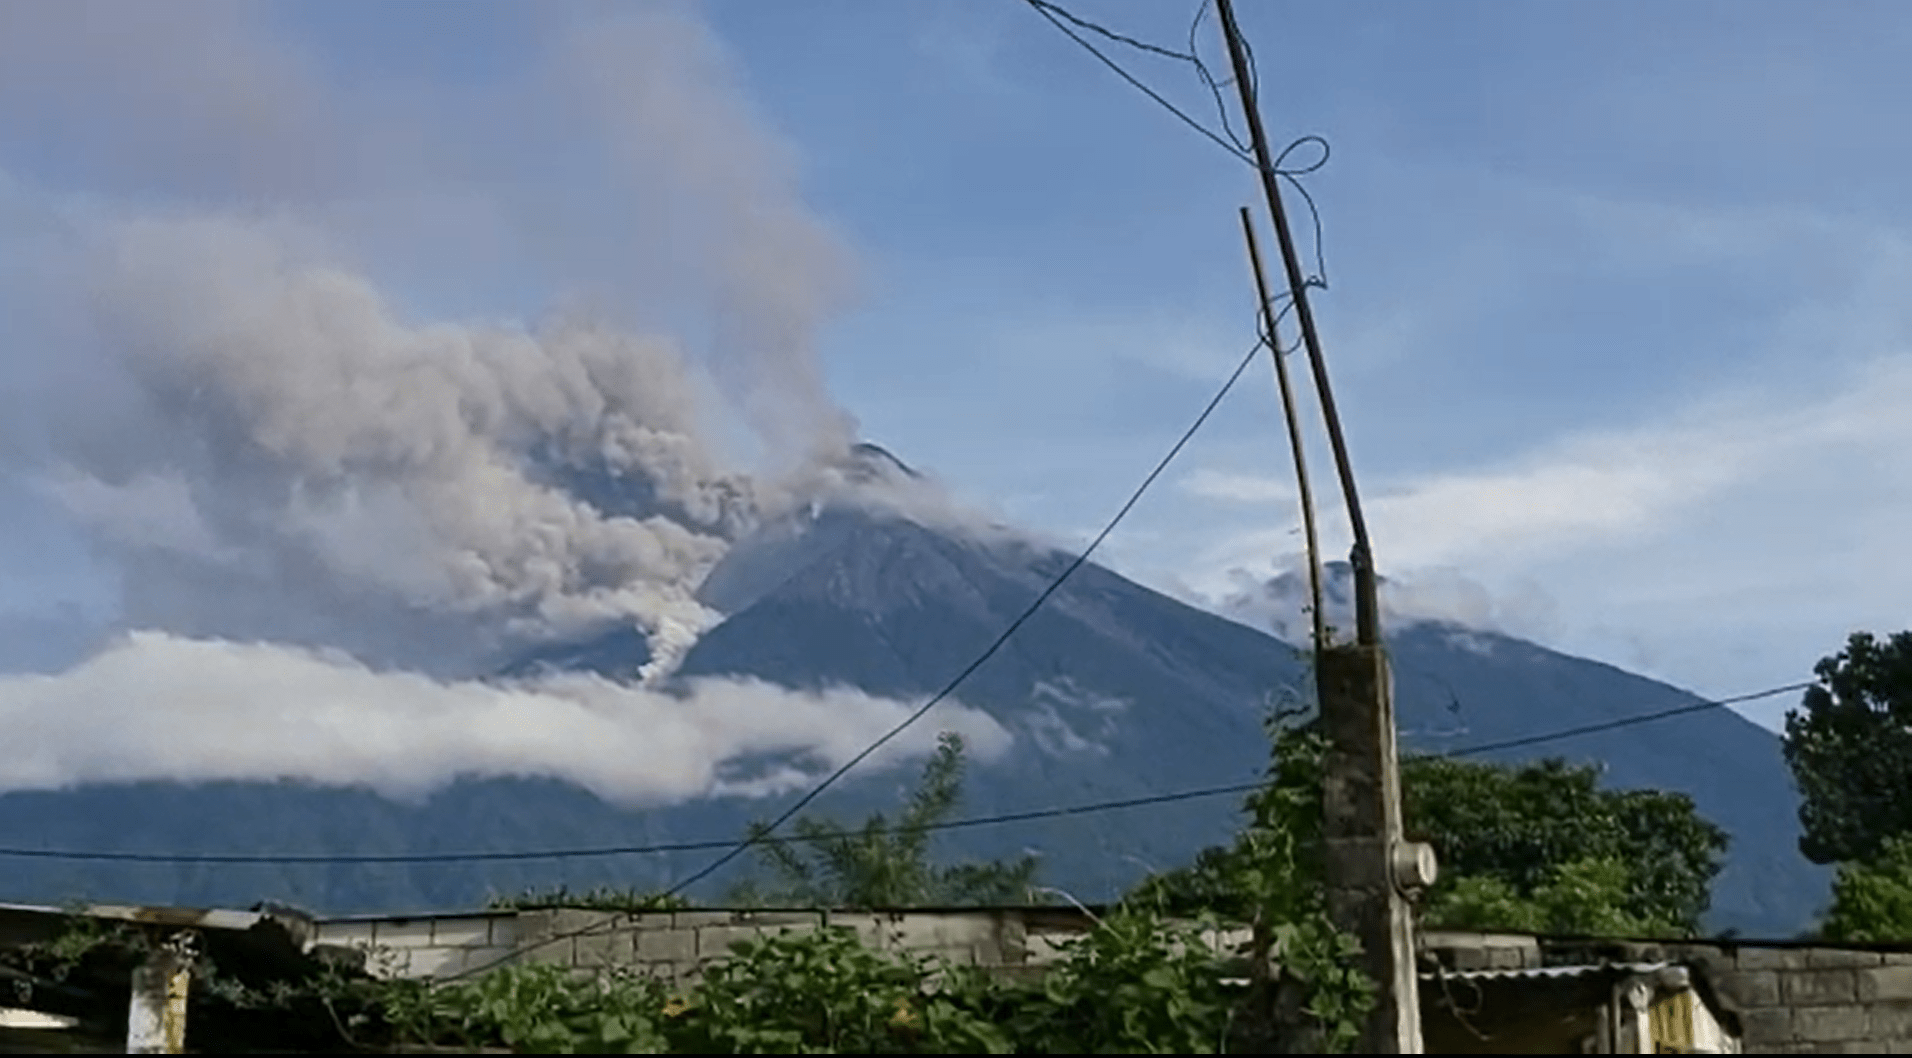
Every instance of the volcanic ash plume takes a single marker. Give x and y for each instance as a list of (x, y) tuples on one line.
[(292, 427)]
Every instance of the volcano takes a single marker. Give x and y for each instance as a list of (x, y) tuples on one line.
[(1110, 690)]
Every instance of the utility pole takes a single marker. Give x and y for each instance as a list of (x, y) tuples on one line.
[(1319, 638), (1370, 866)]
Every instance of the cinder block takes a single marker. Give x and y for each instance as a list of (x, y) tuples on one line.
[(1748, 990), (1769, 1027), (1885, 982), (1011, 939), (1707, 954), (346, 934), (1819, 958), (719, 940), (1865, 1047), (699, 919), (1887, 1019), (476, 959), (461, 932), (1829, 1024), (506, 929), (603, 947), (775, 920), (1772, 959), (666, 945), (431, 962), (403, 933), (1810, 988)]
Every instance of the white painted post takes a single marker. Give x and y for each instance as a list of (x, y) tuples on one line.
[(156, 1020)]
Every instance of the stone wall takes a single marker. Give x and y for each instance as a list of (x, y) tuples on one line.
[(676, 944)]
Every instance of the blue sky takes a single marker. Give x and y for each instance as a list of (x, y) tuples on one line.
[(1616, 317)]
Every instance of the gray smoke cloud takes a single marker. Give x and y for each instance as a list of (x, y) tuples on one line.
[(281, 419), (666, 101), (268, 444), (1281, 604), (326, 505)]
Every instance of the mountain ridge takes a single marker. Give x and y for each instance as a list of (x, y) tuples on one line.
[(1111, 691)]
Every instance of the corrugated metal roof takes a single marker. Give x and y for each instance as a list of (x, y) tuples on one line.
[(1552, 971)]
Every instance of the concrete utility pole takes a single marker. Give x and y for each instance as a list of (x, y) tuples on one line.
[(1370, 867), (156, 1018)]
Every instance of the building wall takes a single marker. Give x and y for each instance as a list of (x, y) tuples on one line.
[(675, 945), (1811, 1000), (1788, 999)]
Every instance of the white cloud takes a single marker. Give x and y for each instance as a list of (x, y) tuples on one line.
[(1212, 484), (156, 706), (1605, 488)]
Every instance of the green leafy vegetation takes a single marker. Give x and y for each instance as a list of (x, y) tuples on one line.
[(1271, 878), (1546, 844), (603, 898), (1135, 984), (1872, 899), (1586, 897), (1539, 847), (1850, 748), (884, 864)]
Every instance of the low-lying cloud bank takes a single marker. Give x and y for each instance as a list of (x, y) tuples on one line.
[(157, 706)]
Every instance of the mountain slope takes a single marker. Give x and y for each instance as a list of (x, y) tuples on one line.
[(1111, 691), (1458, 688)]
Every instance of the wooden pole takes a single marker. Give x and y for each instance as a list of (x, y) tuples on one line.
[(1319, 639), (1369, 865)]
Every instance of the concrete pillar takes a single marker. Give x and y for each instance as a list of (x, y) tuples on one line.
[(156, 1020), (1369, 865)]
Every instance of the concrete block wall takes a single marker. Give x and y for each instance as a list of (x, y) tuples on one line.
[(438, 946), (677, 945), (1805, 1000)]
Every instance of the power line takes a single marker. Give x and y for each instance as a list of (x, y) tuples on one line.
[(759, 835), (708, 845), (1080, 560), (1061, 19), (1215, 87), (1610, 725), (614, 922), (1054, 11), (1227, 140)]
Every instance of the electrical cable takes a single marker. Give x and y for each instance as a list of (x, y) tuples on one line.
[(949, 688), (1057, 16), (1213, 791), (758, 835), (1227, 140), (1088, 808)]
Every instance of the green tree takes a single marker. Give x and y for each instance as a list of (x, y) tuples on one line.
[(1539, 847), (1586, 897), (1850, 749), (1646, 857), (1872, 900), (884, 863)]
